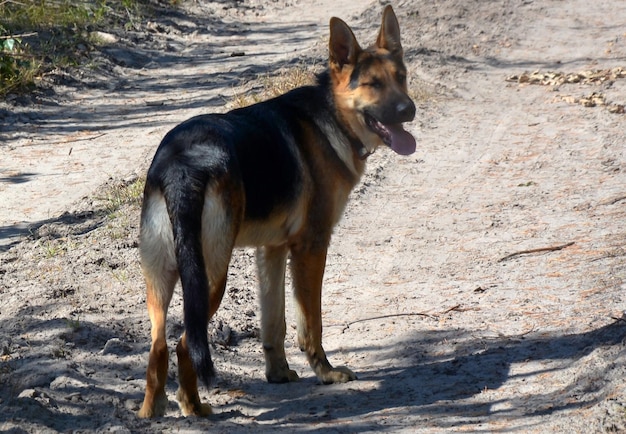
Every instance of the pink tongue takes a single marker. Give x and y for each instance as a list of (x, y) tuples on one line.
[(402, 142)]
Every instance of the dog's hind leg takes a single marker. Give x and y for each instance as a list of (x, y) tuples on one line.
[(187, 395), (307, 266), (155, 400), (159, 269), (271, 263)]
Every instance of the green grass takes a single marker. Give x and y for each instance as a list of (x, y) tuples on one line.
[(124, 193), (114, 201), (40, 36), (73, 324), (54, 248)]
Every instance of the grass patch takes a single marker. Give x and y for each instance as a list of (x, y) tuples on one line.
[(18, 67), (275, 85), (41, 36), (119, 195), (73, 324), (120, 203), (54, 248)]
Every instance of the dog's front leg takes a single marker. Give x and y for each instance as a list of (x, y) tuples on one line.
[(271, 262), (307, 267)]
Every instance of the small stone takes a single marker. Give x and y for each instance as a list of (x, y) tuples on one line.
[(115, 346), (106, 38), (27, 393)]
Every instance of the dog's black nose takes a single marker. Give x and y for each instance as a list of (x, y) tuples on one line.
[(405, 110)]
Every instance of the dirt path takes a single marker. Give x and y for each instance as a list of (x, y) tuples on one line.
[(478, 285)]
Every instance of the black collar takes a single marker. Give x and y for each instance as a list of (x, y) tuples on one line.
[(356, 144)]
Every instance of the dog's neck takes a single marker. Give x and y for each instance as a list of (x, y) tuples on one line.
[(348, 147)]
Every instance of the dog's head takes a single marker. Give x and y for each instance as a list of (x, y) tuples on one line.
[(370, 86)]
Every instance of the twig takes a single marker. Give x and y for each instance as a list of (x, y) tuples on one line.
[(614, 254), (612, 201), (394, 315), (503, 336), (83, 139), (23, 35), (451, 309), (87, 138), (539, 250), (11, 1)]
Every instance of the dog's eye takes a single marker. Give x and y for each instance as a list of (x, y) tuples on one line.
[(374, 83)]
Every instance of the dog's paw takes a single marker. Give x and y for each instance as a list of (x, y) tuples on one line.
[(200, 410), (153, 409), (191, 406), (283, 376), (145, 413), (340, 374)]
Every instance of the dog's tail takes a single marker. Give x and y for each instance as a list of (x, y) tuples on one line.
[(185, 205)]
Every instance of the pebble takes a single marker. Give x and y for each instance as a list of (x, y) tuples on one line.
[(115, 346)]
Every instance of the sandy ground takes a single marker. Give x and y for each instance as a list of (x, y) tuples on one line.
[(476, 286)]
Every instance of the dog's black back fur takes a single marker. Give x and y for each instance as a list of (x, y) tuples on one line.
[(259, 141)]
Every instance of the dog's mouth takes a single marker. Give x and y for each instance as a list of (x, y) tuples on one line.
[(393, 135)]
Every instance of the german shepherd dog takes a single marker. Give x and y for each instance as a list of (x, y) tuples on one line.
[(275, 175)]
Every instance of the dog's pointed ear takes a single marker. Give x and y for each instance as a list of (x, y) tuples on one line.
[(389, 35), (343, 47)]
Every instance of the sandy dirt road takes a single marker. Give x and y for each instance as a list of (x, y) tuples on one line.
[(476, 286)]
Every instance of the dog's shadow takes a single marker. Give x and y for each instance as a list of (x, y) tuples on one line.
[(419, 384), (410, 380)]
